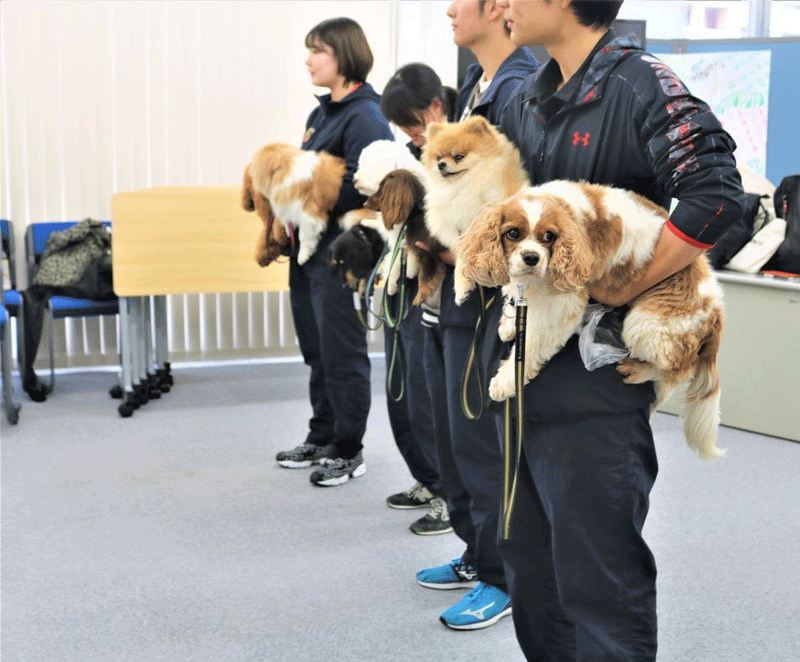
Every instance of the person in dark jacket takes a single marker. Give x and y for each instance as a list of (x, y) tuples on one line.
[(470, 462), (331, 337), (414, 97), (581, 576)]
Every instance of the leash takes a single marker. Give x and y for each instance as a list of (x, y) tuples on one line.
[(472, 367), (513, 451), (402, 298), (369, 292)]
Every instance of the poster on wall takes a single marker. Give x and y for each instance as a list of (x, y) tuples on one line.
[(736, 86)]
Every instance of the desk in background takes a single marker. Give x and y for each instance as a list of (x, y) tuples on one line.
[(759, 359), (177, 240)]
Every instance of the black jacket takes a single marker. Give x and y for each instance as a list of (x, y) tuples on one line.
[(343, 128), (516, 67), (625, 119)]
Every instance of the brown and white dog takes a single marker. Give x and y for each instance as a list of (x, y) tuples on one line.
[(559, 238), (467, 165), (400, 200), (300, 186), (273, 238)]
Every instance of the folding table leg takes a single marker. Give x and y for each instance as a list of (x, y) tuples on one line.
[(163, 373), (126, 351)]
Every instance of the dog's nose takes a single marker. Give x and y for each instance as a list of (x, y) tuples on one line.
[(442, 166), (530, 259)]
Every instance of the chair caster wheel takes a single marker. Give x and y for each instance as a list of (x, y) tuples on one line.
[(125, 410), (116, 392)]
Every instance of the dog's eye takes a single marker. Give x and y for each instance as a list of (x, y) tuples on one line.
[(549, 237), (457, 157), (514, 234)]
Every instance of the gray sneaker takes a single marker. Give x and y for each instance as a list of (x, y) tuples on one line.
[(435, 521), (416, 496), (302, 456), (338, 470)]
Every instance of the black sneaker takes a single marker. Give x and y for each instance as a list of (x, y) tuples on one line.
[(302, 456), (435, 521), (338, 471), (416, 496)]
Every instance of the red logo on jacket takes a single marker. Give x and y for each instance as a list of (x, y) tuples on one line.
[(578, 138)]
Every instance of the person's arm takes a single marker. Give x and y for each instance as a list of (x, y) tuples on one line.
[(363, 128), (692, 158)]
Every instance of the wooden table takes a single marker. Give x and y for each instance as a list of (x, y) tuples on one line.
[(177, 240)]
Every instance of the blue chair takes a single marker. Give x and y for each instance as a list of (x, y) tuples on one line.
[(11, 298), (9, 405), (61, 307)]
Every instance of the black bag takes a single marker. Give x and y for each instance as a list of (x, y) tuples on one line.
[(736, 236), (787, 207)]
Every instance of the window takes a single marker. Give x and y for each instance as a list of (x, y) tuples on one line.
[(784, 19)]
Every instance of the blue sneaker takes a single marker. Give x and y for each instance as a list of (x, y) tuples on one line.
[(455, 574), (483, 606)]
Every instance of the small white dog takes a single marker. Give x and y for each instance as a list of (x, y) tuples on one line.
[(301, 187), (559, 238)]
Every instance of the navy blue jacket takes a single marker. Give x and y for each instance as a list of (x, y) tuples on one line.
[(343, 128), (516, 67)]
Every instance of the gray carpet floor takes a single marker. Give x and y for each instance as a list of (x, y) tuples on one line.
[(173, 536)]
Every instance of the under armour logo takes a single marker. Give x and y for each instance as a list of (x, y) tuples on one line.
[(478, 613), (577, 137)]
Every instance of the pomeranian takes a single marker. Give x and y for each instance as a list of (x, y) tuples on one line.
[(467, 165)]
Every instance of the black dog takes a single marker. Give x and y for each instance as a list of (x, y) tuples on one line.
[(354, 254)]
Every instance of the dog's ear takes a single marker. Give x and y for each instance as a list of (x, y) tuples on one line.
[(398, 194), (481, 249), (479, 125), (433, 129), (247, 190), (571, 260)]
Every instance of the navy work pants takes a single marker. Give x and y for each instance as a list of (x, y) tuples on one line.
[(411, 417), (581, 577), (334, 345), (470, 461)]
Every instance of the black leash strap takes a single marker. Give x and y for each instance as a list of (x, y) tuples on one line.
[(512, 449), (472, 366)]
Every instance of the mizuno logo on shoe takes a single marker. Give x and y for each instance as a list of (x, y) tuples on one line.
[(478, 613)]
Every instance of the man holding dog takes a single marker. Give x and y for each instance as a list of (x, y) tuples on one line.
[(469, 467), (580, 575)]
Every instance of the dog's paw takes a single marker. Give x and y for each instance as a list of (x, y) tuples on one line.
[(634, 371), (503, 385), (507, 329)]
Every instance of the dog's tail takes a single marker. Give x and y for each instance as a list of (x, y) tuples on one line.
[(701, 416)]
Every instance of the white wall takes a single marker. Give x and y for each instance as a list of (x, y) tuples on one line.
[(99, 97), (104, 96)]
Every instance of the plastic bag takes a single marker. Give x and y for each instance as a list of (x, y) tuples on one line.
[(600, 339)]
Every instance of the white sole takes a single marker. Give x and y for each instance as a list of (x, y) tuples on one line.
[(432, 533), (292, 464), (469, 584), (360, 470), (480, 625), (422, 505)]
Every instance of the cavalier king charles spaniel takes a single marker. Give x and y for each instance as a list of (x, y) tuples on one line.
[(560, 238), (301, 188), (400, 199)]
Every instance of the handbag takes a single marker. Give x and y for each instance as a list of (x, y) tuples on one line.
[(787, 207), (735, 237), (757, 252)]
